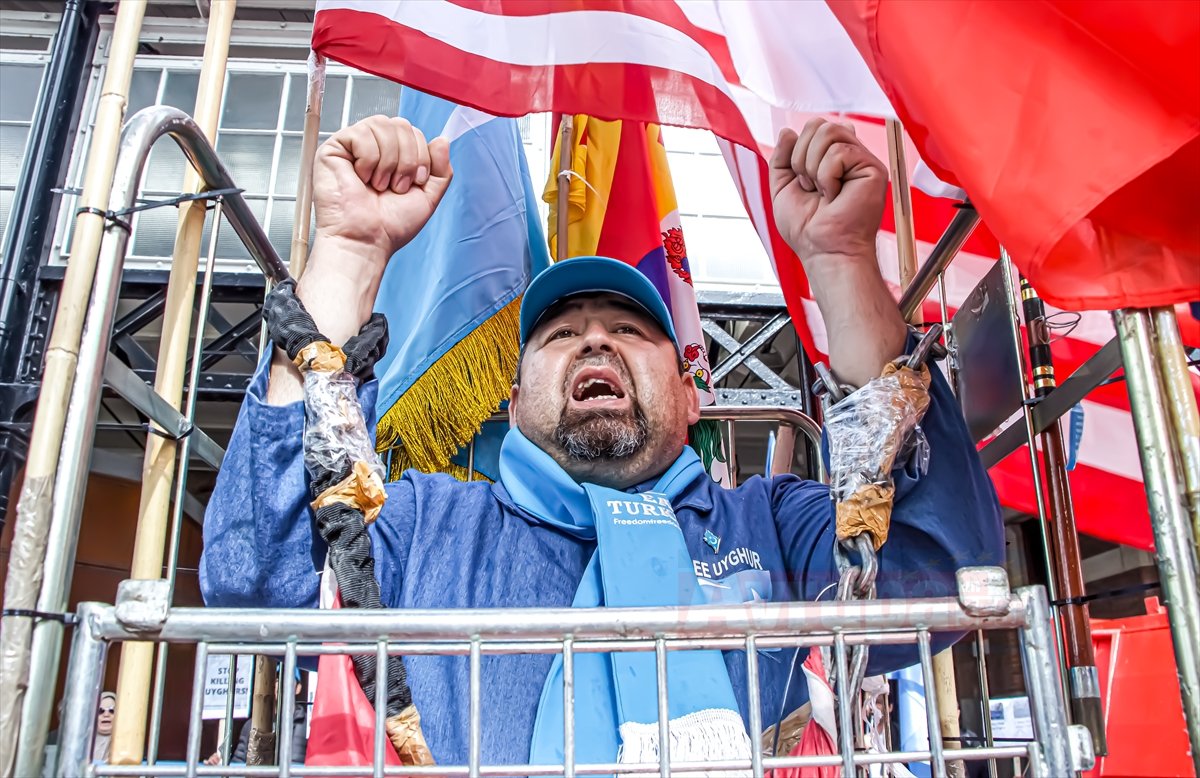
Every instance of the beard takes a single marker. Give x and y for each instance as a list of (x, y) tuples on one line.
[(591, 435)]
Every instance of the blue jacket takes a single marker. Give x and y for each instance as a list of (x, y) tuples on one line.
[(441, 543)]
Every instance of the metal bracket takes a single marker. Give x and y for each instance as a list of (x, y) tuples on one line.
[(1083, 754), (983, 591), (142, 604)]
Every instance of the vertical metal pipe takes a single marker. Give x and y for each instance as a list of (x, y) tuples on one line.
[(380, 742), (302, 219), (1084, 685), (1047, 703), (845, 722), (32, 520), (947, 335), (196, 717), (1181, 402), (937, 760), (230, 695), (985, 700), (475, 710), (755, 700), (85, 675), (158, 469), (1175, 549), (185, 448), (568, 707), (471, 460), (287, 709), (732, 454), (1014, 320), (566, 159), (664, 708)]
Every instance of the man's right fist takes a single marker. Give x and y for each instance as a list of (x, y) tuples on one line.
[(376, 183)]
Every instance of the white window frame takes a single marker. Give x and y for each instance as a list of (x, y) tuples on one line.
[(296, 35)]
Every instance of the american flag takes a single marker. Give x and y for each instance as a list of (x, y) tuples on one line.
[(979, 112)]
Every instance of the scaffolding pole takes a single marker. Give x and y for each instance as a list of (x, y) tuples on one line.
[(158, 472), (1174, 545), (28, 557), (944, 687)]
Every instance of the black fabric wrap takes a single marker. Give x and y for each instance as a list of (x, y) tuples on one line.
[(291, 328), (342, 527)]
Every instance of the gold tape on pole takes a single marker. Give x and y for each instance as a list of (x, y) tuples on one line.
[(32, 520), (133, 685), (906, 252)]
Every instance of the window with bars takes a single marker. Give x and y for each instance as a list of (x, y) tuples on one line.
[(19, 84), (259, 137)]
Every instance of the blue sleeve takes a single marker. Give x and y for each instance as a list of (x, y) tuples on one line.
[(943, 520), (260, 546)]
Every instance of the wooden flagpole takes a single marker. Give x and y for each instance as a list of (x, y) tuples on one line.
[(158, 472), (906, 244), (261, 747), (308, 152), (32, 517), (566, 158), (945, 687)]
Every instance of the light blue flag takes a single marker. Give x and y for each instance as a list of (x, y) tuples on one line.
[(452, 296)]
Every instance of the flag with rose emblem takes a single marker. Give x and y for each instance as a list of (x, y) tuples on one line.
[(622, 205)]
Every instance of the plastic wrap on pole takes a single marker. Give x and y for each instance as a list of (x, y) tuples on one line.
[(868, 432), (29, 539), (335, 431)]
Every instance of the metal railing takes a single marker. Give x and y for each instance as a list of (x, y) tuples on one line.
[(96, 367), (983, 603)]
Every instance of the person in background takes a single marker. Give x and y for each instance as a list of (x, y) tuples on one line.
[(105, 714), (299, 732)]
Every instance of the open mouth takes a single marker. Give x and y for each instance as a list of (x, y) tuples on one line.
[(595, 386)]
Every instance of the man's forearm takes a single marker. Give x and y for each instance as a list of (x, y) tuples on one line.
[(338, 295), (861, 317)]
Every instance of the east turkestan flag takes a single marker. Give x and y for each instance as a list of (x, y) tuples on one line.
[(453, 294)]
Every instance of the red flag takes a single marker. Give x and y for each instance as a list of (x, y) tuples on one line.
[(1074, 127), (342, 725), (1110, 500)]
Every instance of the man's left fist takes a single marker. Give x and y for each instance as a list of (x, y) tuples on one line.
[(828, 191)]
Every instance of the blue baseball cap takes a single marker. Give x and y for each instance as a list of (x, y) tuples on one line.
[(592, 275)]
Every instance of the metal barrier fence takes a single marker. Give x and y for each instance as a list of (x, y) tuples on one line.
[(984, 603), (97, 367)]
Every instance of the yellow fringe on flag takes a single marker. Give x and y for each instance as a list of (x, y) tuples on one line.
[(448, 404)]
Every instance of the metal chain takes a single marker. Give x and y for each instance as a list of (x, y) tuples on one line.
[(856, 579)]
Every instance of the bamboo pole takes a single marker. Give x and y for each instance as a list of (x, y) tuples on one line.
[(261, 747), (133, 685), (308, 150), (945, 688), (566, 158), (1175, 546), (1181, 408), (906, 244), (32, 520)]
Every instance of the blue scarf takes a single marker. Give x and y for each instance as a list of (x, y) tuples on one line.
[(641, 559)]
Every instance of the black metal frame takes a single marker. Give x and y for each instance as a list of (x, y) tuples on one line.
[(30, 227)]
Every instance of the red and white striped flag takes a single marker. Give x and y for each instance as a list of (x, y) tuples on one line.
[(1044, 111), (1109, 499)]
